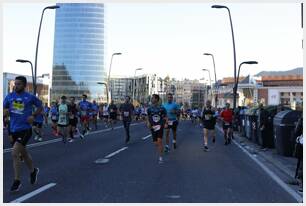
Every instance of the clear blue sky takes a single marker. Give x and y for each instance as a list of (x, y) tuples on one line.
[(169, 38)]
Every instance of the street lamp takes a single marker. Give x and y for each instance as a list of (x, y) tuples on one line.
[(216, 84), (33, 78), (234, 49), (138, 69), (237, 80), (209, 80), (106, 86), (36, 53), (109, 71)]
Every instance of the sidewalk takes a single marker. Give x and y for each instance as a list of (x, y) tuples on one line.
[(287, 165)]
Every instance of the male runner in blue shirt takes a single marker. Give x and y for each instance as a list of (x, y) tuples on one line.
[(19, 106)]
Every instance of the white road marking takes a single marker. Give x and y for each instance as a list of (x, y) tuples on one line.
[(146, 137), (60, 139), (280, 182), (102, 161), (173, 196), (35, 192), (114, 153)]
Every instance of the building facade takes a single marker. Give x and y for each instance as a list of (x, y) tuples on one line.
[(141, 87), (78, 59)]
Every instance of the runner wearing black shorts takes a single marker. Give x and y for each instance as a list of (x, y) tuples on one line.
[(157, 121), (227, 118), (112, 109), (18, 106), (173, 113), (209, 122)]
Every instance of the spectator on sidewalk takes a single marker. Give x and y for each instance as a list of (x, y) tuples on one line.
[(264, 125)]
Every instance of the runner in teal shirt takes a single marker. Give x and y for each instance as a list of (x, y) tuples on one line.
[(173, 111)]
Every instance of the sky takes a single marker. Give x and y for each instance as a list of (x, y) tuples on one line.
[(169, 38)]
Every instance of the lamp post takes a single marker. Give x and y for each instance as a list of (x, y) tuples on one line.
[(237, 80), (106, 86), (209, 81), (110, 68), (234, 49), (138, 69), (33, 78), (36, 53), (216, 84)]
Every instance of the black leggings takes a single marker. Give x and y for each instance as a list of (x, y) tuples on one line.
[(126, 125)]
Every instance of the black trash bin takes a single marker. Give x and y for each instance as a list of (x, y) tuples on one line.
[(247, 126), (251, 123), (253, 120), (266, 138), (284, 123)]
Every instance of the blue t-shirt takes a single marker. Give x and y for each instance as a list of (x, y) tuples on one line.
[(20, 107), (156, 115), (46, 110), (95, 109), (39, 118), (169, 107), (85, 106)]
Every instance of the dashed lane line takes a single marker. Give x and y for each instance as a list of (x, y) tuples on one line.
[(32, 194)]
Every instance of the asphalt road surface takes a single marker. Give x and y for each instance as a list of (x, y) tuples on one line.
[(77, 172)]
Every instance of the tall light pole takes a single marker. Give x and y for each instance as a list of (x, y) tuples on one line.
[(36, 53), (234, 49), (109, 72), (33, 78), (216, 84), (209, 81), (237, 80), (106, 86), (134, 83)]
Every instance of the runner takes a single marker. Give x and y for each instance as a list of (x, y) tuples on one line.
[(46, 113), (63, 120), (126, 109), (173, 112), (37, 126), (113, 110), (84, 107), (105, 114), (73, 120), (144, 112), (227, 118), (54, 118), (94, 113), (156, 122), (18, 105), (194, 115), (209, 122)]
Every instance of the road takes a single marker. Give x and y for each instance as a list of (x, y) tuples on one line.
[(225, 174)]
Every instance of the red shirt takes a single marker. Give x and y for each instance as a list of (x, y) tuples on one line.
[(227, 115)]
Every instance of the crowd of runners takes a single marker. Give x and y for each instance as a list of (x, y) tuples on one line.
[(24, 113)]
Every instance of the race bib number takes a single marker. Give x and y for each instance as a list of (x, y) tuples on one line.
[(156, 127), (170, 123), (227, 124), (156, 118), (207, 117), (83, 113), (126, 114), (111, 110), (62, 120), (53, 117)]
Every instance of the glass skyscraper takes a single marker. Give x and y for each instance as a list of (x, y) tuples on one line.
[(78, 59)]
